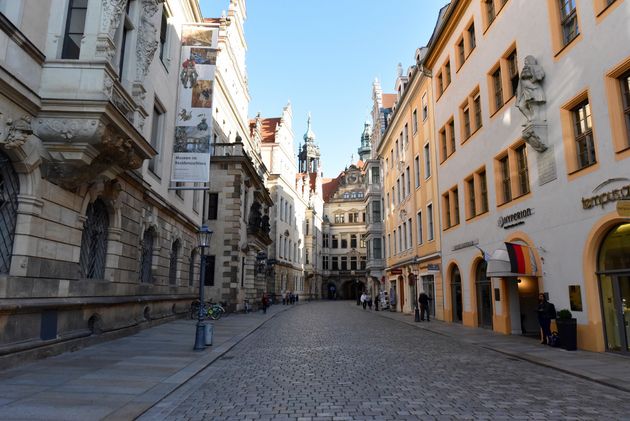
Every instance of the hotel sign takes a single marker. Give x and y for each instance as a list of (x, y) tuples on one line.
[(514, 219), (622, 193)]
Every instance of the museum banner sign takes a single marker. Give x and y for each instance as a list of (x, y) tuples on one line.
[(193, 125)]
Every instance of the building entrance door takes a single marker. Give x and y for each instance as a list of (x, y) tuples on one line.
[(456, 295), (428, 286), (484, 296), (401, 294), (614, 287)]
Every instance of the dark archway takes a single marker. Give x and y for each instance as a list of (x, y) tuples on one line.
[(352, 289)]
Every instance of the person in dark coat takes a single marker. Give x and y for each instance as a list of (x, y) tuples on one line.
[(424, 299), (546, 312), (265, 303)]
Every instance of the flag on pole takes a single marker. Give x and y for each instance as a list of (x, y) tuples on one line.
[(486, 256), (522, 260)]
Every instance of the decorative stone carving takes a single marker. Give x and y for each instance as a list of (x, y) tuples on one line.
[(110, 18), (529, 94), (70, 129), (123, 105), (108, 85), (536, 136), (17, 133), (105, 47), (147, 37)]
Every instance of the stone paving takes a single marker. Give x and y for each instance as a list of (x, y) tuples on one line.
[(330, 361)]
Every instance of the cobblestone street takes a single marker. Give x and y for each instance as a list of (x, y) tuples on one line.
[(333, 361)]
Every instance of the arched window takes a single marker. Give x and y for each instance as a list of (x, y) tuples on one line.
[(94, 241), (9, 189), (172, 269), (147, 255)]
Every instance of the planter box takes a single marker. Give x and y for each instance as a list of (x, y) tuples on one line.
[(567, 331)]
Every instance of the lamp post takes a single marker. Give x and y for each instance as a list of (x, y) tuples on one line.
[(203, 237)]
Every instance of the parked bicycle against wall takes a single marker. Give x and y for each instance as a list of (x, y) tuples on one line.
[(211, 310)]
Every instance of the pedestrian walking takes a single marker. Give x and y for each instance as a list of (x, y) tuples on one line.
[(363, 300), (369, 301), (265, 303), (546, 312), (423, 300), (297, 298)]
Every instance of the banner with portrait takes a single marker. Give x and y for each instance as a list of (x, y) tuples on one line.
[(193, 124)]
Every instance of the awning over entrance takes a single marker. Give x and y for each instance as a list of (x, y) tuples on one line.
[(512, 260)]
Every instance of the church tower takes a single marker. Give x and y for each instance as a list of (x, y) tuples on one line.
[(366, 145), (309, 154)]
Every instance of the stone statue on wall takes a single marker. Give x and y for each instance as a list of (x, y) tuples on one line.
[(265, 226), (255, 219), (529, 94)]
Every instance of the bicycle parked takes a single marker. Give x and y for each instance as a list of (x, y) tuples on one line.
[(211, 310)]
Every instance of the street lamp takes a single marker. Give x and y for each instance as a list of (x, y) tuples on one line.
[(203, 239)]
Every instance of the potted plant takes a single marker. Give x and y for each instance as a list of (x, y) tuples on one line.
[(567, 330)]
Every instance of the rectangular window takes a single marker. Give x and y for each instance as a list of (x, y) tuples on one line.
[(213, 206), (461, 52), (471, 36), (446, 203), (440, 83), (363, 261), (477, 109), (410, 232), (414, 121), (376, 246), (398, 189), (419, 226), (430, 222), (344, 262), (325, 240), (425, 107), (455, 196), (406, 135), (408, 181), (416, 168), (624, 81), (497, 86), (451, 134), (122, 35), (75, 26), (483, 190), (427, 161), (344, 242), (443, 144), (353, 262), (490, 12), (335, 242), (376, 176), (447, 72), (401, 235), (583, 132), (335, 263), (521, 167), (353, 217), (506, 182), (339, 218), (376, 211), (325, 262), (389, 243), (466, 116), (568, 20), (402, 186), (512, 62), (472, 205), (157, 137)]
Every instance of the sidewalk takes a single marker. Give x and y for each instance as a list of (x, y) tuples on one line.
[(604, 368), (119, 379)]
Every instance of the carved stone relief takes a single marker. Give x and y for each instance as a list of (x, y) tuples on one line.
[(147, 37), (70, 129), (15, 133)]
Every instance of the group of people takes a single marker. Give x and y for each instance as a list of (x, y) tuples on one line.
[(366, 301), (289, 298)]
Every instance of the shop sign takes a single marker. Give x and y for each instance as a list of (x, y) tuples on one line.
[(396, 271), (433, 267), (514, 219), (623, 207), (622, 193)]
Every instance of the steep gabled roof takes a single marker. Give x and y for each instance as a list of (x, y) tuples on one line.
[(389, 100), (268, 129)]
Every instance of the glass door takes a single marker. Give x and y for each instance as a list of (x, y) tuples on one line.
[(428, 286), (615, 293)]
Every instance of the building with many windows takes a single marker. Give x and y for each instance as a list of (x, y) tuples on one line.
[(406, 151), (531, 108), (94, 241), (343, 245), (292, 261)]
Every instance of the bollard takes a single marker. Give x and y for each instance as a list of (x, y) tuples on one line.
[(416, 314), (208, 333)]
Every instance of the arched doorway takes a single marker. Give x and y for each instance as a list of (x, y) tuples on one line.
[(484, 296), (456, 295), (331, 291), (614, 284), (352, 289)]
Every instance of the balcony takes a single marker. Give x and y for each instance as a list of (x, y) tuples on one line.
[(89, 124), (373, 189)]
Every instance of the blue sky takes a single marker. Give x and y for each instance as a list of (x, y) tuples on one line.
[(323, 56)]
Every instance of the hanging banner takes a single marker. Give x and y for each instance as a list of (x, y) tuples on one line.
[(193, 125)]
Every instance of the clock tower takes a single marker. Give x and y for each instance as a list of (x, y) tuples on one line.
[(309, 154)]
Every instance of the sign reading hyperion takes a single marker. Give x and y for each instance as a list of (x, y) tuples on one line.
[(193, 127)]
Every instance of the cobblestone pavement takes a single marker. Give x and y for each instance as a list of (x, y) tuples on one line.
[(333, 361)]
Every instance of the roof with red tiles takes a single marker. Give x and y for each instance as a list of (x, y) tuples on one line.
[(329, 186), (389, 100)]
